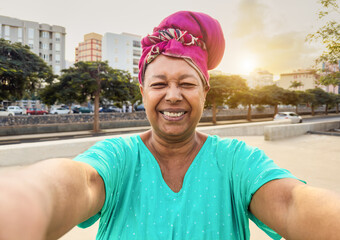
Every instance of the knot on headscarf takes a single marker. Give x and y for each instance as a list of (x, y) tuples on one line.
[(195, 37), (166, 35)]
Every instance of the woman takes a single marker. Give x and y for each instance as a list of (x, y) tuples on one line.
[(171, 182)]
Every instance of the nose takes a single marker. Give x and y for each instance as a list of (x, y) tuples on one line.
[(173, 94)]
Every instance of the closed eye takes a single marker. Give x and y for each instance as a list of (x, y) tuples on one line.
[(158, 85)]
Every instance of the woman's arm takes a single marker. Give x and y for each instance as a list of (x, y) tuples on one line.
[(47, 199), (297, 211)]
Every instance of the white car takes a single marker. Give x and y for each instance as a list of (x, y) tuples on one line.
[(16, 110), (4, 112), (59, 110), (288, 115)]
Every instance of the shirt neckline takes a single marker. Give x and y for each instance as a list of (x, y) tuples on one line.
[(159, 173)]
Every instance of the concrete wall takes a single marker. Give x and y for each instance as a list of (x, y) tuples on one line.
[(16, 154), (244, 129), (292, 130)]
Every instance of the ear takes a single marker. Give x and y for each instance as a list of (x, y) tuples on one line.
[(141, 90), (206, 90)]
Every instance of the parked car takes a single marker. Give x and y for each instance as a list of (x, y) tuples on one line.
[(81, 110), (288, 115), (59, 110), (4, 112), (110, 109), (16, 110), (35, 111), (140, 107)]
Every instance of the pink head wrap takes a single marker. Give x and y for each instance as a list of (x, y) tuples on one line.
[(193, 36)]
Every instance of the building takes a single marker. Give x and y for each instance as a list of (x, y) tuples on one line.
[(260, 78), (47, 41), (307, 78), (328, 68), (90, 49), (122, 51)]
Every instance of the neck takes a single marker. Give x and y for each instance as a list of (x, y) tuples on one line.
[(174, 152)]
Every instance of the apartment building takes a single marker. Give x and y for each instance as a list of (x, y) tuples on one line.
[(122, 51), (260, 78), (47, 41), (90, 49), (307, 78), (328, 68)]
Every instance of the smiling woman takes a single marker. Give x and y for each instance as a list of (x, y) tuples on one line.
[(171, 182)]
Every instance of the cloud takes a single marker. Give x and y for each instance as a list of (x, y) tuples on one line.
[(277, 52)]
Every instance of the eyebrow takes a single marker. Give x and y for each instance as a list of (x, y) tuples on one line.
[(184, 76)]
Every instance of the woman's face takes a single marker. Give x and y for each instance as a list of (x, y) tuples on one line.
[(173, 96)]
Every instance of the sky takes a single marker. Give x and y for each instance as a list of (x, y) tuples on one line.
[(266, 34)]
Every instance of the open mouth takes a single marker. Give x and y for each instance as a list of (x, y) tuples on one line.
[(173, 115)]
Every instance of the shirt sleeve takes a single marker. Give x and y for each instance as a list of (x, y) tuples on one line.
[(107, 157), (251, 169)]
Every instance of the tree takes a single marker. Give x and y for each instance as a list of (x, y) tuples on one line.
[(320, 98), (222, 87), (20, 70), (329, 33), (91, 81), (295, 84), (246, 97), (336, 101), (332, 78), (272, 95)]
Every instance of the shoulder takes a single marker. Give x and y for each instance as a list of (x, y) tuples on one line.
[(229, 145)]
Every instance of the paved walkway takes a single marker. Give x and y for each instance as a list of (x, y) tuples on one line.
[(313, 158)]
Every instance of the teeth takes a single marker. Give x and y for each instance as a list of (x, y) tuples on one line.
[(173, 114)]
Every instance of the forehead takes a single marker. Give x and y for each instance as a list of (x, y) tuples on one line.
[(169, 67)]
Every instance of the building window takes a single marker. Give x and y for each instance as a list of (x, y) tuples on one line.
[(19, 33), (116, 41), (31, 43), (136, 44), (57, 58), (116, 60), (57, 37), (135, 61), (31, 33), (51, 46), (45, 57), (57, 69), (7, 30), (135, 70), (45, 46), (57, 47), (136, 53), (45, 34)]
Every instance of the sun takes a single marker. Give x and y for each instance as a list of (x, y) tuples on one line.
[(248, 64)]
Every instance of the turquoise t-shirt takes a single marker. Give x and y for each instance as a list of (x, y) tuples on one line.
[(212, 204)]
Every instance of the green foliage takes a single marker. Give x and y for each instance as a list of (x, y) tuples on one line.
[(332, 78), (20, 70), (329, 33), (271, 95), (320, 96), (295, 84), (222, 88), (80, 83)]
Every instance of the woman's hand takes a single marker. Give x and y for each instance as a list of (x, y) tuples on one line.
[(47, 199)]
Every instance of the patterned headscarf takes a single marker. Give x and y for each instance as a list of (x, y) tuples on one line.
[(193, 36)]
